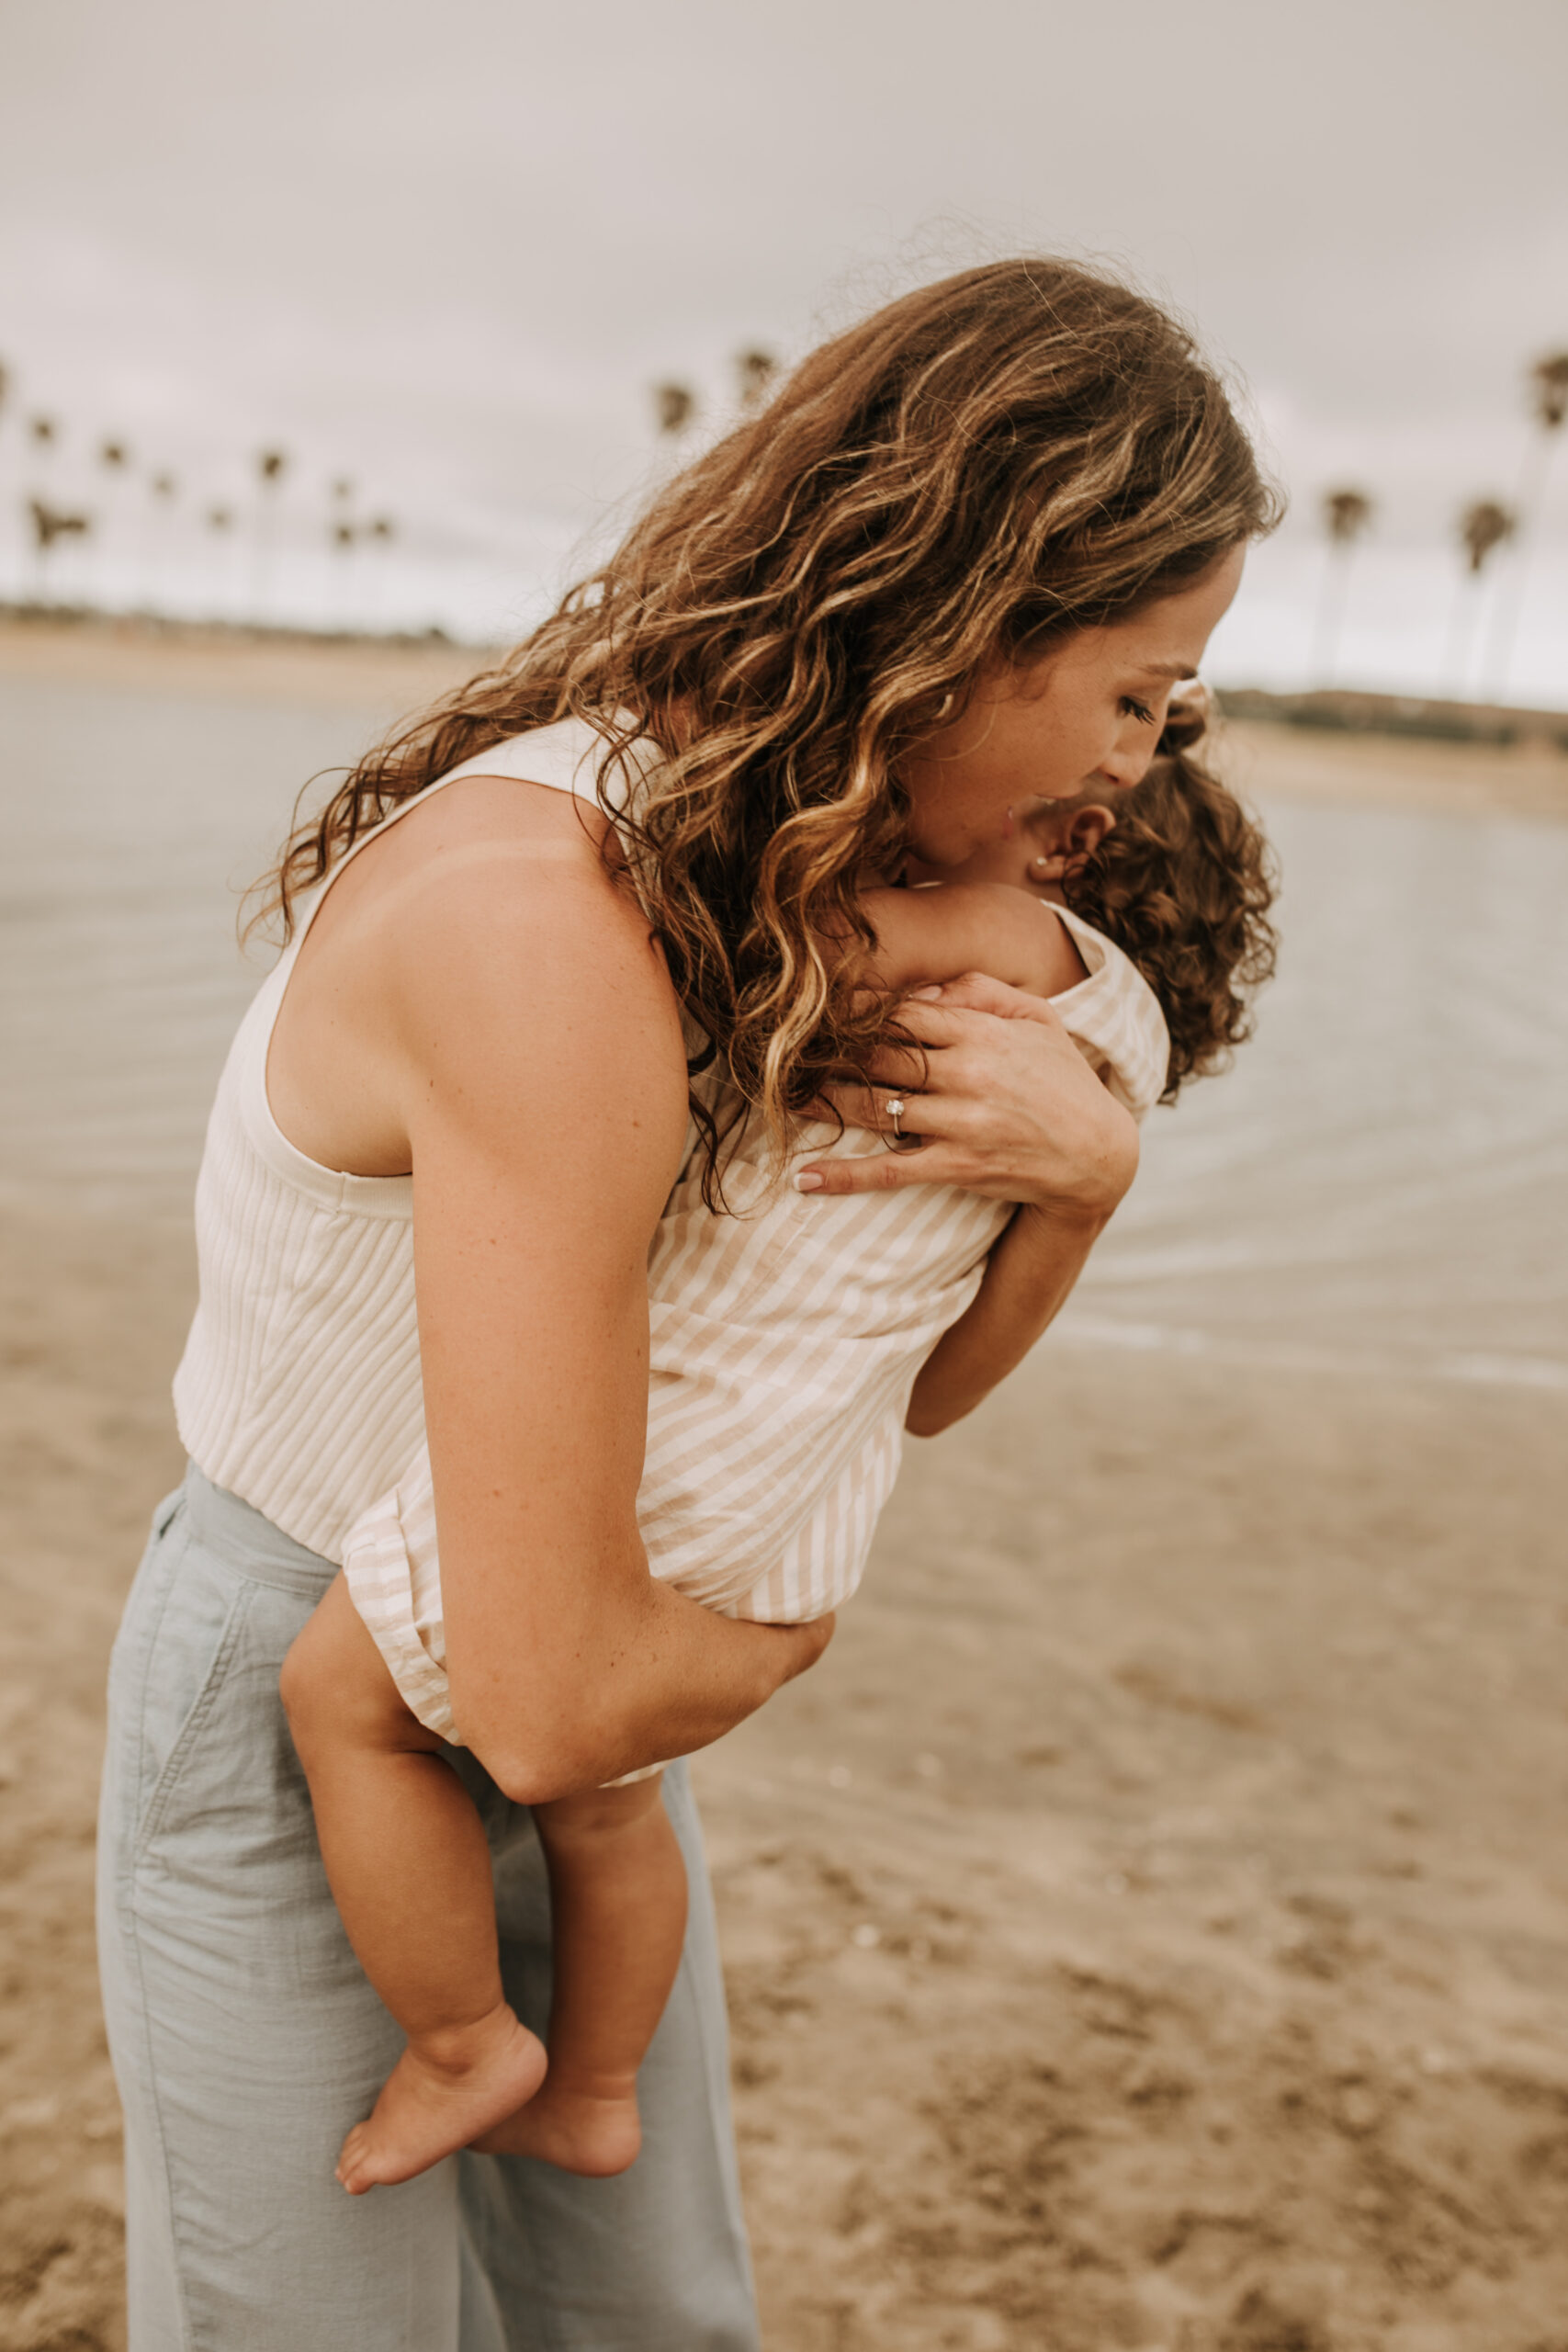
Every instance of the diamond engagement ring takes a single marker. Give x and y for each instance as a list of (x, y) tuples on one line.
[(895, 1109)]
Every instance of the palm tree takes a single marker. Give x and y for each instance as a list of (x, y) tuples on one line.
[(114, 457), (1484, 526), (1546, 383), (271, 467), (164, 490), (220, 522), (343, 538), (756, 370), (1347, 513), (380, 531), (50, 525), (674, 406), (42, 434)]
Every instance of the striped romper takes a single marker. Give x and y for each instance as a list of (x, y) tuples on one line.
[(786, 1334)]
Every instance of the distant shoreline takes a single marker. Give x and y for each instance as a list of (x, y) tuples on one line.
[(1267, 757)]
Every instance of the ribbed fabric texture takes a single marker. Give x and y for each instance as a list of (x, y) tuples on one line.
[(300, 1386), (786, 1339)]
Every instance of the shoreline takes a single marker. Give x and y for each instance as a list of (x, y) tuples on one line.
[(1263, 759)]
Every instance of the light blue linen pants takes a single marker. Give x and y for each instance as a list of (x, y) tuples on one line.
[(246, 2039)]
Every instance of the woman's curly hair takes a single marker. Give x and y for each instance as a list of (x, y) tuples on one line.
[(1183, 883), (978, 469)]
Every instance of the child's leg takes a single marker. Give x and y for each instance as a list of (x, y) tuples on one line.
[(409, 1871), (618, 1915)]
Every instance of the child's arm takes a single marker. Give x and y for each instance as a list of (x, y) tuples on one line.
[(1028, 1279), (941, 931)]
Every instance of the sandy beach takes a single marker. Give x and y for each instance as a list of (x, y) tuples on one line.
[(1147, 1929)]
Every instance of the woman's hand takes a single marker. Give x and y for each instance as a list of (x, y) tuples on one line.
[(1002, 1102)]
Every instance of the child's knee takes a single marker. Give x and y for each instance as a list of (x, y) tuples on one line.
[(336, 1690)]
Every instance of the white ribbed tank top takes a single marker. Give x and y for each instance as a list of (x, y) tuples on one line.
[(299, 1388)]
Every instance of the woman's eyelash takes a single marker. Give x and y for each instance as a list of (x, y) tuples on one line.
[(1138, 710)]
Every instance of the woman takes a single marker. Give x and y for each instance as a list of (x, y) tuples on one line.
[(963, 557)]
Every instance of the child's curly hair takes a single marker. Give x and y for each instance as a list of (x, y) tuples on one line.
[(1183, 884)]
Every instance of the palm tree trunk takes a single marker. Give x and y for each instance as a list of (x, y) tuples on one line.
[(1454, 682), (1330, 621), (1509, 605)]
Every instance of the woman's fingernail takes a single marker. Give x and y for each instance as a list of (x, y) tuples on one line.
[(925, 995), (808, 1180)]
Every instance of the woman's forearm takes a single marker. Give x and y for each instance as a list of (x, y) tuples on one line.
[(690, 1679), (651, 1676), (1028, 1279)]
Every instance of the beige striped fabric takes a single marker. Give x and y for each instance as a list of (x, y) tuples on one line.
[(786, 1339)]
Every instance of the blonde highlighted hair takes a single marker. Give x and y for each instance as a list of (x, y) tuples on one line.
[(977, 471)]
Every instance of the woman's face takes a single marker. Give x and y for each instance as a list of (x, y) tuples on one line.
[(1089, 714)]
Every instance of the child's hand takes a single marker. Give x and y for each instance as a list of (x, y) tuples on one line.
[(1001, 1101)]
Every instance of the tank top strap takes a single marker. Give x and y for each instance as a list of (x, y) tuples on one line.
[(564, 757)]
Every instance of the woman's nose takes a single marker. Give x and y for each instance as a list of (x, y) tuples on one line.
[(1128, 762)]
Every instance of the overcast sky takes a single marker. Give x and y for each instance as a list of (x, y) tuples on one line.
[(444, 251)]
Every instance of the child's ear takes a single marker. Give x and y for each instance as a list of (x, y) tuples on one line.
[(1085, 833)]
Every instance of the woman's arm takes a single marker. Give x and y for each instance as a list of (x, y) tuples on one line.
[(537, 1062)]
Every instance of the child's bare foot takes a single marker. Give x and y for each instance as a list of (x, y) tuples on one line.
[(437, 2097), (585, 2132)]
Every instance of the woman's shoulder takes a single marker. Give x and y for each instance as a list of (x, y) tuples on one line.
[(480, 949), (494, 890)]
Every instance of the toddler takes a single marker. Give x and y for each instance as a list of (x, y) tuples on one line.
[(787, 1335)]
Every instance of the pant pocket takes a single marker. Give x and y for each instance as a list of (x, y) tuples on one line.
[(176, 1645), (202, 1636)]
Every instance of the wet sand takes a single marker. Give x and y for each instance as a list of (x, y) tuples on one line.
[(1146, 1930)]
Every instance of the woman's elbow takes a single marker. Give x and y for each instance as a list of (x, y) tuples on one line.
[(550, 1760), (536, 1780)]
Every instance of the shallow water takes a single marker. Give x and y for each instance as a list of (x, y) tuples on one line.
[(1380, 1182), (1385, 1173)]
